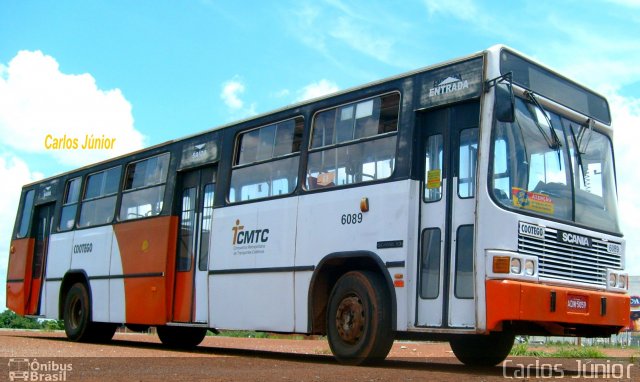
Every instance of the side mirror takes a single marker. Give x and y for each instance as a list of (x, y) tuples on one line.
[(505, 103)]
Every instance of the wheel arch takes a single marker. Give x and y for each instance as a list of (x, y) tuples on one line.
[(71, 277), (327, 273)]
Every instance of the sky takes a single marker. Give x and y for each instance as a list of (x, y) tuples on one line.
[(145, 72)]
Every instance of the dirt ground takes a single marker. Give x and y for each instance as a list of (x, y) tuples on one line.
[(141, 357)]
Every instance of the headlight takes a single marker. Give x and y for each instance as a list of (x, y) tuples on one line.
[(516, 266), (529, 268), (613, 279), (511, 265), (622, 282)]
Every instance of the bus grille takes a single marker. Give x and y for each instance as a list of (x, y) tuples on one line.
[(568, 262)]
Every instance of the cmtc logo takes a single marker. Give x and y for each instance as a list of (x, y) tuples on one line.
[(451, 84), (242, 236), (635, 301)]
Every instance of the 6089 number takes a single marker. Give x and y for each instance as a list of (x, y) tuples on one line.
[(351, 218)]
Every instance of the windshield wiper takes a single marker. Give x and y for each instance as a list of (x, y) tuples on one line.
[(581, 145), (578, 153), (553, 141)]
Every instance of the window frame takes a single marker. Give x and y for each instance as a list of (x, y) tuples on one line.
[(83, 201), (355, 141), (122, 192), (29, 216), (63, 204), (236, 158), (473, 175)]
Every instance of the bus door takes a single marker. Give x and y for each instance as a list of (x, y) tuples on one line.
[(195, 203), (445, 295), (43, 218)]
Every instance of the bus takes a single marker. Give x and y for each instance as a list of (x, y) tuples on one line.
[(469, 201)]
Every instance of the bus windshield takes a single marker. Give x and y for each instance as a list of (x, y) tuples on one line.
[(571, 181)]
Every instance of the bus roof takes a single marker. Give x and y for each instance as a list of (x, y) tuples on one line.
[(494, 50)]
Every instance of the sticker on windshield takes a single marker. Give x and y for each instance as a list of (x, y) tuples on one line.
[(433, 179), (532, 201)]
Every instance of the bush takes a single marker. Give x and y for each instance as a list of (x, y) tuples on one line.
[(8, 319)]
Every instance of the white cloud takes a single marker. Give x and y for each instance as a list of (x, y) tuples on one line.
[(335, 28), (231, 91), (361, 39), (281, 93), (37, 100), (15, 173), (317, 89), (461, 9), (626, 3), (230, 95)]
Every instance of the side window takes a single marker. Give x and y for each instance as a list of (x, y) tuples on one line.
[(70, 204), (99, 200), (464, 262), (467, 163), (354, 143), (25, 218), (433, 168), (207, 225), (430, 264), (144, 184), (266, 161)]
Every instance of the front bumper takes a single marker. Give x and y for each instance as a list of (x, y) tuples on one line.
[(516, 301)]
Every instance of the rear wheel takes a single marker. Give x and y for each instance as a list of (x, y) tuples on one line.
[(359, 318), (102, 331), (181, 337), (482, 350)]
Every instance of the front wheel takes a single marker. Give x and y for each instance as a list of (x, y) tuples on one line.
[(482, 350), (77, 318), (359, 318), (77, 313), (181, 337)]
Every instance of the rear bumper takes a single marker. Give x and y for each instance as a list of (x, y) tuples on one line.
[(509, 301)]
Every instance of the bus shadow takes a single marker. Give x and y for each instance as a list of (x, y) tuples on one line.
[(438, 364)]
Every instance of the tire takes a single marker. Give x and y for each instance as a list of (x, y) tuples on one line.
[(102, 331), (482, 350), (359, 319), (77, 318), (180, 337), (77, 313)]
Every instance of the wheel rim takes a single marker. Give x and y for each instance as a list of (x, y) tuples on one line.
[(76, 312), (350, 319)]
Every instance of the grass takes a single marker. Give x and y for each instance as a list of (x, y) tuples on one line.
[(560, 352)]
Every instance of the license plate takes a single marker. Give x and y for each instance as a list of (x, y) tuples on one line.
[(577, 303)]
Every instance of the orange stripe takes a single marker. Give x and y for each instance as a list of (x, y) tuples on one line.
[(183, 296), (519, 301), (148, 246), (34, 296), (20, 268)]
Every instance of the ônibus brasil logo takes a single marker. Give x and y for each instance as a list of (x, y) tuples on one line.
[(25, 369)]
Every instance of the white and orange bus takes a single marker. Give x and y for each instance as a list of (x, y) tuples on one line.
[(469, 202)]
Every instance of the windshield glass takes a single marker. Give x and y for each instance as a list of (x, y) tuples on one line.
[(532, 175)]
